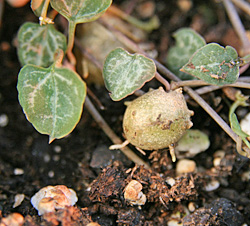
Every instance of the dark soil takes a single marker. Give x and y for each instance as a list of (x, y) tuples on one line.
[(82, 161)]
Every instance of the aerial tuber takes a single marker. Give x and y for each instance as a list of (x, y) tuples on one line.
[(157, 119)]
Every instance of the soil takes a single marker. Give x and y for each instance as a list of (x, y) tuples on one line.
[(82, 161)]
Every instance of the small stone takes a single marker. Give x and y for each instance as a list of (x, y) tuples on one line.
[(213, 185), (191, 206), (185, 166), (18, 200), (170, 181), (51, 174), (57, 149), (245, 124), (18, 171), (4, 120)]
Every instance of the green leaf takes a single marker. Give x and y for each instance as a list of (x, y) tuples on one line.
[(214, 64), (125, 73), (37, 6), (187, 42), (52, 99), (38, 44), (81, 11), (235, 125)]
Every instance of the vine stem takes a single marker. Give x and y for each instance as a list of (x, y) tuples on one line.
[(238, 26), (243, 5), (193, 83), (71, 38), (164, 71), (112, 136)]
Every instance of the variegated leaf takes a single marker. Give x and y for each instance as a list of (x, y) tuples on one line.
[(52, 99), (125, 73), (38, 44)]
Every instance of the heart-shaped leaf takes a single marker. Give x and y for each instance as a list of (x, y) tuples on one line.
[(187, 42), (38, 44), (125, 73), (214, 64), (52, 99), (81, 11)]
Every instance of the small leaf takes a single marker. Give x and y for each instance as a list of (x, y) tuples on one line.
[(214, 64), (52, 99), (235, 125), (81, 11), (125, 73), (187, 42), (37, 6), (38, 44)]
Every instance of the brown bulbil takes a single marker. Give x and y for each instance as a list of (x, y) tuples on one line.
[(157, 119)]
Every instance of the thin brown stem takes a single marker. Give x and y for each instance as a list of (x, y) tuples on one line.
[(238, 26), (71, 37), (243, 5), (112, 136), (193, 83), (163, 81)]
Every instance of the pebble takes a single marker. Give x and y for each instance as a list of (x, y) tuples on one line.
[(18, 200), (4, 120), (185, 166), (18, 171), (213, 185), (245, 124)]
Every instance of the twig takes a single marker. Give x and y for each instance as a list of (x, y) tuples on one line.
[(112, 136), (243, 5), (194, 83), (238, 26), (208, 89)]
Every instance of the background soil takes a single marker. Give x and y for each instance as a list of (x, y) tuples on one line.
[(83, 160)]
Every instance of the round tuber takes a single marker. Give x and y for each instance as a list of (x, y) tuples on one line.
[(157, 119)]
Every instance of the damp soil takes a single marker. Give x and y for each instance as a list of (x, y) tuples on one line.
[(82, 161)]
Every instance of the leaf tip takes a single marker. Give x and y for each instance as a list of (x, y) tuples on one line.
[(51, 139)]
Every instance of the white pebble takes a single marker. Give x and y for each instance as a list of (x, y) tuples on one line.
[(170, 181), (51, 174), (4, 120), (185, 166), (18, 200), (46, 158), (245, 124), (18, 171), (213, 185), (57, 149)]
